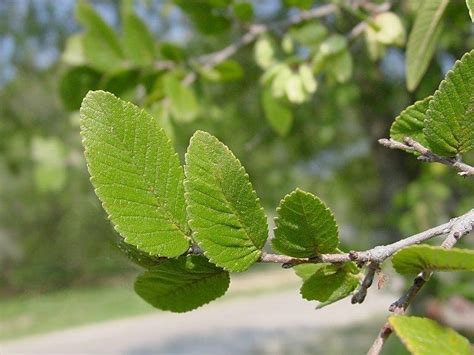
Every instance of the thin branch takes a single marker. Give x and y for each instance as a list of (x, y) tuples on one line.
[(462, 227), (377, 255), (361, 293), (410, 145)]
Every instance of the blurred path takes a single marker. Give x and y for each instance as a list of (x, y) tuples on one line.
[(234, 326)]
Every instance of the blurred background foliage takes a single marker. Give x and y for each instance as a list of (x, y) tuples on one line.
[(319, 132)]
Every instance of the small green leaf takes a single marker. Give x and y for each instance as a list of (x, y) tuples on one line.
[(74, 85), (183, 284), (341, 66), (100, 43), (277, 113), (265, 51), (307, 79), (470, 6), (294, 89), (449, 124), (225, 214), (422, 40), (226, 71), (136, 174), (243, 11), (172, 52), (309, 34), (417, 258), (390, 29), (305, 271), (305, 227), (328, 285), (184, 104), (423, 336), (73, 53), (303, 4), (410, 122), (138, 42)]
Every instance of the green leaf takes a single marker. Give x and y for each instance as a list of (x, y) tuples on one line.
[(422, 40), (265, 51), (303, 4), (74, 85), (136, 174), (305, 227), (410, 122), (294, 89), (277, 113), (172, 52), (226, 71), (423, 336), (328, 285), (138, 42), (309, 34), (183, 284), (470, 6), (305, 271), (307, 79), (225, 214), (449, 124), (100, 43), (73, 53), (417, 258), (244, 11), (341, 66), (184, 104), (390, 29)]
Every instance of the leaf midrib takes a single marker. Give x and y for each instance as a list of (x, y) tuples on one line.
[(159, 205)]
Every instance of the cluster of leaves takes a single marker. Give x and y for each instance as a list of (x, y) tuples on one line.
[(164, 212), (160, 209)]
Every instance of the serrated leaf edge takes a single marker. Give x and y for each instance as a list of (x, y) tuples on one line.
[(104, 205), (287, 196), (188, 207)]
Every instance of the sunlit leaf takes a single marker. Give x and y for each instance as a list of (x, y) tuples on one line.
[(100, 43), (305, 227), (423, 336), (136, 174), (417, 258), (225, 214), (422, 40), (449, 123)]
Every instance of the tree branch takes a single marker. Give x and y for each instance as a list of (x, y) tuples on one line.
[(459, 229), (361, 293), (410, 145)]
